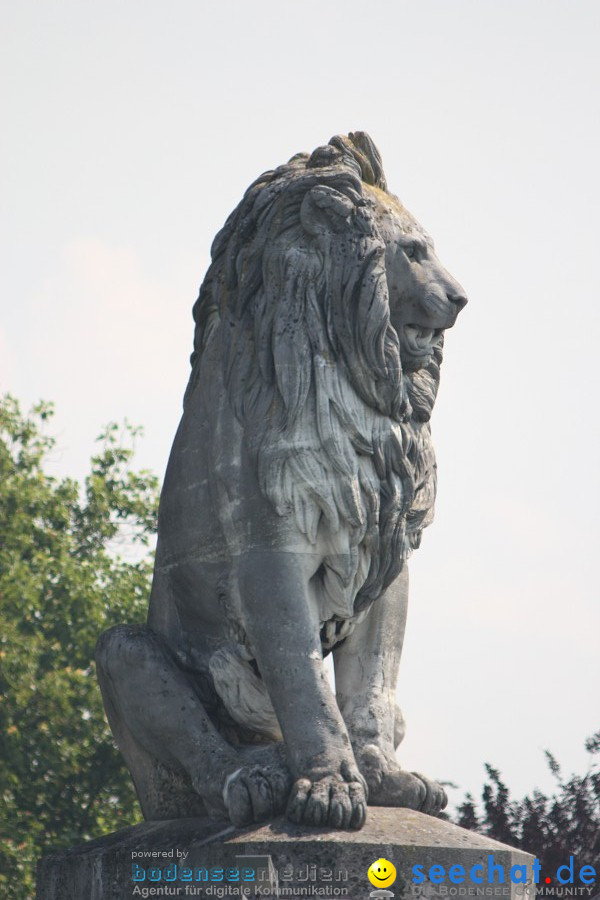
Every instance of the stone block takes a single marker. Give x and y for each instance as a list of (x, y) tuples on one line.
[(285, 861)]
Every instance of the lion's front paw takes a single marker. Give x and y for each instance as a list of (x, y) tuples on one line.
[(256, 793), (389, 785), (329, 802)]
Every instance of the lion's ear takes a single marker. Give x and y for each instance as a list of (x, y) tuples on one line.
[(324, 209)]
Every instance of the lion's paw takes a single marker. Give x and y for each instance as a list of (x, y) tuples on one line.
[(436, 798), (389, 785), (329, 802), (256, 793)]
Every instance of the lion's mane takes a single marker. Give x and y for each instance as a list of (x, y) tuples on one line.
[(297, 296)]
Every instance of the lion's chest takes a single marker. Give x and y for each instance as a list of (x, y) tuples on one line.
[(362, 559)]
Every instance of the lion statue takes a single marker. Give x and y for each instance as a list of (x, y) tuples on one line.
[(300, 480)]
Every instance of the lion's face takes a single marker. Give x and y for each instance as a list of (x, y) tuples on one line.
[(424, 298)]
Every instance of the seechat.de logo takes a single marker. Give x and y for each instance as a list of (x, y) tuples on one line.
[(381, 874)]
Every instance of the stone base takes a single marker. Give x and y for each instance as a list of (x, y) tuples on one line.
[(282, 860)]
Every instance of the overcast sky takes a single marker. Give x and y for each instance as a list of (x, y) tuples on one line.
[(130, 131)]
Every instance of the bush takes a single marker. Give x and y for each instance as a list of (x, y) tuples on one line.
[(553, 828)]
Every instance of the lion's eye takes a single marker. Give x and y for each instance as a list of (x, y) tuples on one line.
[(411, 250)]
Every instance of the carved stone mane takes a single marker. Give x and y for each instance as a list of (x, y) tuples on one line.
[(297, 297)]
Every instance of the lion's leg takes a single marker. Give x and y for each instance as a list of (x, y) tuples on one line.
[(284, 632), (366, 673), (366, 668), (180, 764)]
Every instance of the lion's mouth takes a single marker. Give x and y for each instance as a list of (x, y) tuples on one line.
[(420, 341)]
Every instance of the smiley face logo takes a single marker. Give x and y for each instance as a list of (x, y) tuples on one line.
[(382, 873)]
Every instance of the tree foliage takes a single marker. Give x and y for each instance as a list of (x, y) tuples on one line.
[(63, 579), (553, 828)]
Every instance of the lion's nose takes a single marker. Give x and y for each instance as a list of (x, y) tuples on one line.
[(458, 300)]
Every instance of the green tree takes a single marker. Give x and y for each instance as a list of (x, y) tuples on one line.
[(64, 578), (555, 827)]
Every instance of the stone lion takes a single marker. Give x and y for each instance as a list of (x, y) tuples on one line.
[(300, 480)]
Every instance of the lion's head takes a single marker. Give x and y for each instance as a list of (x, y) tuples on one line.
[(424, 299), (330, 308)]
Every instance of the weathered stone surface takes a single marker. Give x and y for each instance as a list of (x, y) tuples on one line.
[(318, 862), (301, 478)]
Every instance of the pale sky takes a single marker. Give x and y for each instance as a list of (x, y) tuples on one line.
[(130, 131)]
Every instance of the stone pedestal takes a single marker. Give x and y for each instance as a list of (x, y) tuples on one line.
[(188, 858)]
